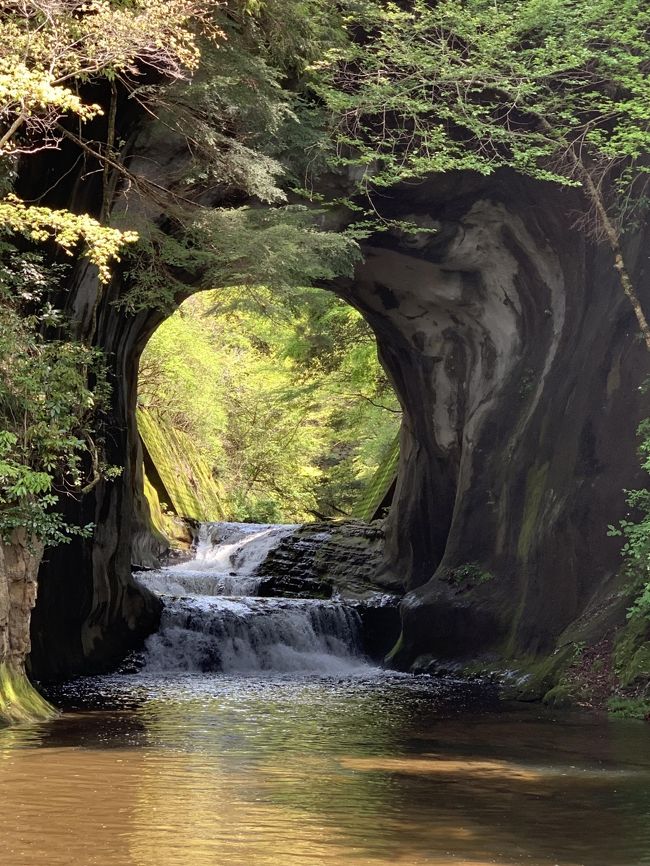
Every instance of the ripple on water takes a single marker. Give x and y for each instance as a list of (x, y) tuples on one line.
[(353, 771)]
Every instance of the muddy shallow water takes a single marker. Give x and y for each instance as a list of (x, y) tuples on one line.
[(369, 768)]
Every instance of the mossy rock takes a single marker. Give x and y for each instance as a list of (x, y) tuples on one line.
[(632, 652), (19, 700), (560, 697), (539, 675), (393, 657), (379, 485), (637, 669), (187, 485), (630, 708)]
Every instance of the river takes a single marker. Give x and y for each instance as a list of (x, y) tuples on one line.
[(256, 733)]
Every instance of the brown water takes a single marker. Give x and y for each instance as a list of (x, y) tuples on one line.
[(375, 769)]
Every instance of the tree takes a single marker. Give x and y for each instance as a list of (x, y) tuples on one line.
[(47, 407), (51, 389), (558, 91), (48, 50), (67, 63)]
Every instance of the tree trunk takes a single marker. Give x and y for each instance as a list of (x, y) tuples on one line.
[(19, 562), (614, 240)]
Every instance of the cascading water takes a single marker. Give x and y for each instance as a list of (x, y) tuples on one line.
[(212, 620), (226, 557)]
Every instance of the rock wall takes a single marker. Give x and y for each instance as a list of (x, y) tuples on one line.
[(341, 560), (90, 612), (320, 559), (518, 364), (19, 563)]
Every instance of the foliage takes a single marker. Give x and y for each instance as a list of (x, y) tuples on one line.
[(630, 708), (636, 547), (68, 229), (244, 133), (557, 91), (53, 54), (49, 46), (46, 405), (477, 85), (279, 247), (183, 477), (51, 389), (281, 391)]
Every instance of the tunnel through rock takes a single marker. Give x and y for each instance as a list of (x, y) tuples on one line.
[(517, 366), (265, 406)]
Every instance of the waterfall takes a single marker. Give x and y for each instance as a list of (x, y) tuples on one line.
[(251, 635), (212, 620), (226, 557)]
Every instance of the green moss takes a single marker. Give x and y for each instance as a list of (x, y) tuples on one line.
[(376, 491), (560, 696), (632, 652), (630, 708), (396, 651), (535, 484), (540, 675), (468, 575), (638, 668), (158, 517), (189, 488), (19, 700)]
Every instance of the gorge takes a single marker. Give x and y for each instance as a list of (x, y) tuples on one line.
[(254, 728), (515, 445), (448, 204)]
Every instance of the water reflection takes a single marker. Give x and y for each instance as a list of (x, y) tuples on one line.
[(218, 771)]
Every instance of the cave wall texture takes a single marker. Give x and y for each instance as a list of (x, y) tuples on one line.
[(519, 368), (518, 365)]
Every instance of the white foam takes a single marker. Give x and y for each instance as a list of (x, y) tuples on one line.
[(252, 635), (212, 622), (226, 558)]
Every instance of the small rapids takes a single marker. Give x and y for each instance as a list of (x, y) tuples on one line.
[(226, 557), (252, 635), (213, 622)]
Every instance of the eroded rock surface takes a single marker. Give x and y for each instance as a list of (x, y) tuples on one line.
[(517, 361), (341, 560), (321, 559)]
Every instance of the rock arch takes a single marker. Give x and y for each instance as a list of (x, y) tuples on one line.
[(518, 367)]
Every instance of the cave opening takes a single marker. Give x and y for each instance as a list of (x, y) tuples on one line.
[(269, 434), (258, 406)]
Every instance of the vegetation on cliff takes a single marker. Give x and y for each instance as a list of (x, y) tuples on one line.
[(52, 385), (632, 651), (556, 91), (263, 97), (281, 393), (47, 405)]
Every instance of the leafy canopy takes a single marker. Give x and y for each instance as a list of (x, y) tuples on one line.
[(51, 390), (480, 85), (558, 91), (636, 532), (48, 49), (47, 407)]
